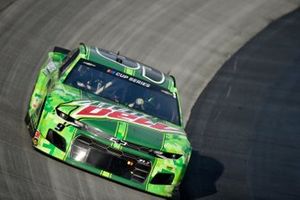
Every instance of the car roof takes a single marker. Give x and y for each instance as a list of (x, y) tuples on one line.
[(129, 66)]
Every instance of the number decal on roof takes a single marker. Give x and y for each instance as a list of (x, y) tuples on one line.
[(111, 56), (149, 73)]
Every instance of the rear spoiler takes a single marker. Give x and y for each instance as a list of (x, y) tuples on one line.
[(61, 50)]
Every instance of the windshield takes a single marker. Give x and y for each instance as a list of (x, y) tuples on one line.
[(124, 89)]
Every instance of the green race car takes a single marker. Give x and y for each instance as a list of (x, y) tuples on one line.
[(112, 116)]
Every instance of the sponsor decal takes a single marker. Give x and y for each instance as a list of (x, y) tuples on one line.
[(36, 138), (49, 68), (102, 110), (129, 78)]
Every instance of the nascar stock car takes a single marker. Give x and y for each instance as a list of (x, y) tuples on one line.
[(112, 116)]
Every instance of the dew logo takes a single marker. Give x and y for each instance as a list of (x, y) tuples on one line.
[(122, 114)]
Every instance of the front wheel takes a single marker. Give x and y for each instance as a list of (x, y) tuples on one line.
[(32, 123), (29, 124)]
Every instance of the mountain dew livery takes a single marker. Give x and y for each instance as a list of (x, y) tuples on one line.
[(112, 116)]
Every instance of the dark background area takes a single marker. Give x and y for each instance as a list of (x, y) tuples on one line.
[(245, 126)]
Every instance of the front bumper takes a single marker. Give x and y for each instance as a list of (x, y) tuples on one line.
[(135, 169), (109, 159)]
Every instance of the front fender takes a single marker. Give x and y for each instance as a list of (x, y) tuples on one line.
[(46, 77)]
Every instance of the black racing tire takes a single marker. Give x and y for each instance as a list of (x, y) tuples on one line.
[(29, 125)]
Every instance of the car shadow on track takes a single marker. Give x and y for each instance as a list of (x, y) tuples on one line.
[(201, 176)]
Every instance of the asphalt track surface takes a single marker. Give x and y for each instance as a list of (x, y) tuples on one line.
[(243, 126)]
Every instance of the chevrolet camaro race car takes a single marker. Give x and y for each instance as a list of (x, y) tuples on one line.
[(112, 116)]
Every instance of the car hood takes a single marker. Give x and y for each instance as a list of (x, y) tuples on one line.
[(124, 123)]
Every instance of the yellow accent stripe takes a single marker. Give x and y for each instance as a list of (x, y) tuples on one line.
[(105, 174), (126, 131), (122, 130), (129, 71), (120, 133), (117, 128), (117, 146)]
